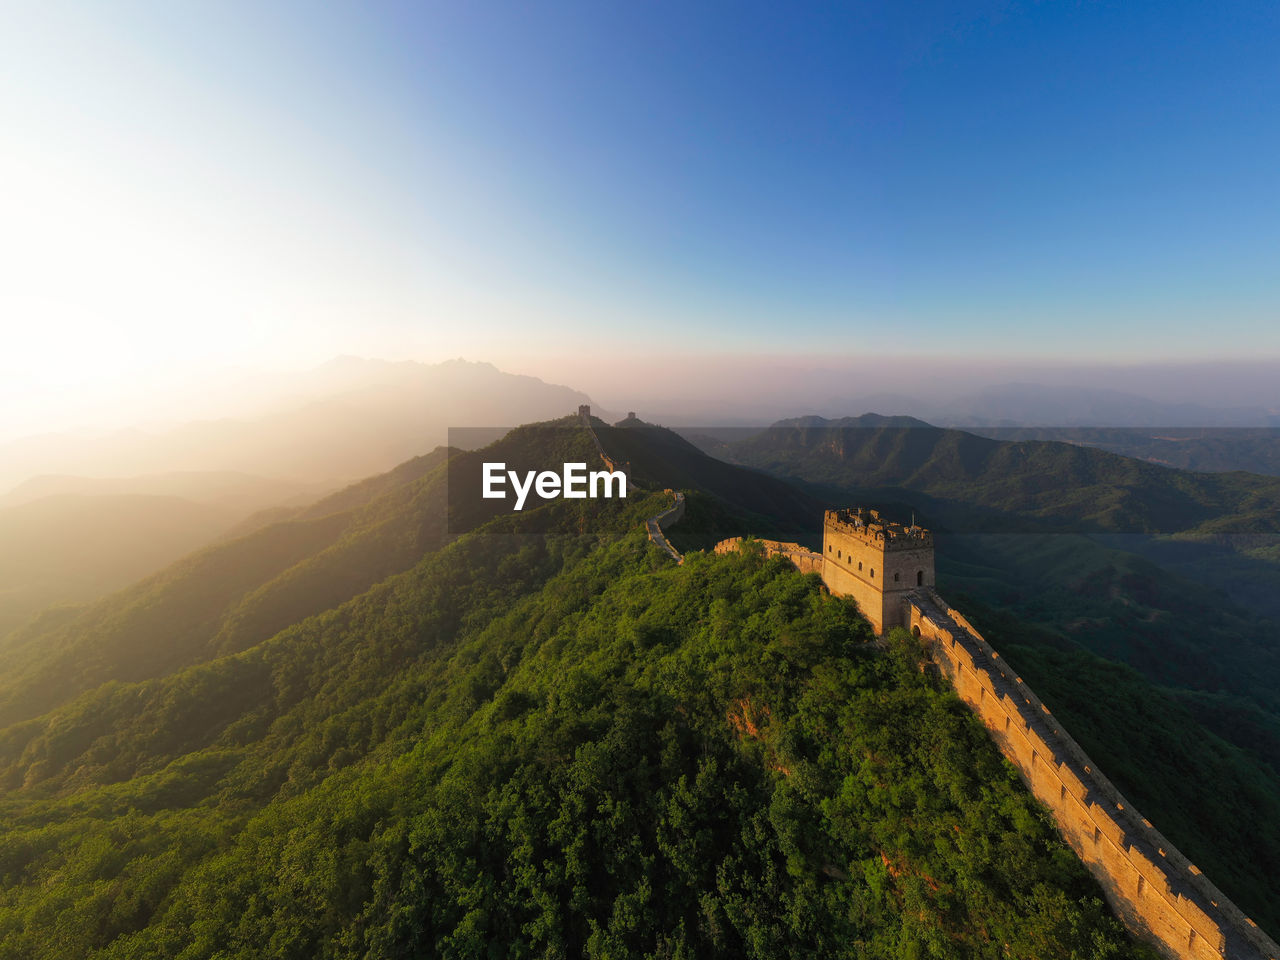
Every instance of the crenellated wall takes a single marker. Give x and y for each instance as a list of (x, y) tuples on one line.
[(1153, 888), (657, 526), (624, 466), (805, 560)]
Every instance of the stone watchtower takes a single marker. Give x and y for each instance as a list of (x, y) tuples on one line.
[(876, 562)]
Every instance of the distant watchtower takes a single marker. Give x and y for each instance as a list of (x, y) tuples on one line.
[(876, 562)]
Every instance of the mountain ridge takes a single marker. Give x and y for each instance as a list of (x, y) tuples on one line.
[(347, 427)]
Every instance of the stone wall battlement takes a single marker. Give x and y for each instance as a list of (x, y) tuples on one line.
[(584, 412), (1157, 892), (657, 526), (804, 559)]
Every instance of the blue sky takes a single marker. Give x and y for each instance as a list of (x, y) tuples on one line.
[(275, 183)]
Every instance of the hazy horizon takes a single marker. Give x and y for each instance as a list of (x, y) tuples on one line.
[(723, 389)]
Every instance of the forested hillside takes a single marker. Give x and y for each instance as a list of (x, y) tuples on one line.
[(237, 593), (531, 741), (570, 747), (1078, 563), (990, 486)]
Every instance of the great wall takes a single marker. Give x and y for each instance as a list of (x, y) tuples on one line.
[(1158, 894), (655, 525), (806, 561)]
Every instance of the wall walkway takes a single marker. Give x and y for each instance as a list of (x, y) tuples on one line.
[(655, 525), (805, 560), (1159, 894)]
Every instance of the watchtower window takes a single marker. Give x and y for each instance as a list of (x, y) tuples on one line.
[(897, 577), (919, 578), (859, 564), (837, 554), (873, 573)]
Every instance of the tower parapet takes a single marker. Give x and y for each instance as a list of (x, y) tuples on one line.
[(870, 527)]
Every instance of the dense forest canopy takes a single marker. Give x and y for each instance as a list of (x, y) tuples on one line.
[(535, 742)]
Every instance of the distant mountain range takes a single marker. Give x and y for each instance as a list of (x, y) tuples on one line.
[(349, 419), (1207, 449), (1009, 486), (72, 539), (1026, 404), (1036, 405), (972, 394)]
